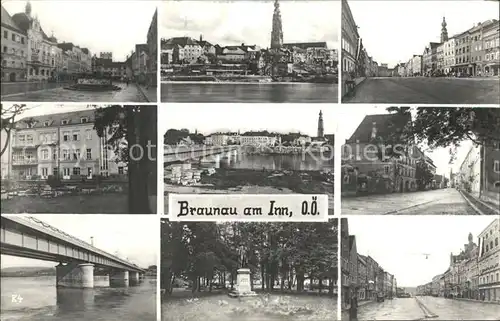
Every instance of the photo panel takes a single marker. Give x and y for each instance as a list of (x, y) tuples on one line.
[(79, 158), (249, 51), (449, 59), (247, 151), (393, 272), (69, 58), (420, 160), (79, 267), (234, 270)]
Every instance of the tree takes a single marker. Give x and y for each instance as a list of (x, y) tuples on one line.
[(448, 127), (8, 120), (423, 175), (129, 130)]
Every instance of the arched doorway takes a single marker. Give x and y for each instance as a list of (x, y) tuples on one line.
[(12, 76), (407, 186)]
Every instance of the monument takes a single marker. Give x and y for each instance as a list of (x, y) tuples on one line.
[(243, 286)]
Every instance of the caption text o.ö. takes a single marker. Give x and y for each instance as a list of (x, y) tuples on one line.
[(296, 208)]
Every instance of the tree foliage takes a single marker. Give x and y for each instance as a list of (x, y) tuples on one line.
[(284, 252), (7, 122), (423, 175)]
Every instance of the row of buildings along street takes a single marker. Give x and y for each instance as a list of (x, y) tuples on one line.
[(430, 281), (390, 166), (249, 154), (74, 159), (290, 51), (448, 59), (106, 59)]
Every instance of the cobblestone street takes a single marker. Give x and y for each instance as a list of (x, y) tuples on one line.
[(422, 90), (130, 93), (426, 308), (435, 202)]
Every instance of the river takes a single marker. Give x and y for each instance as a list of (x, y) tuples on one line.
[(206, 92), (306, 162), (37, 298)]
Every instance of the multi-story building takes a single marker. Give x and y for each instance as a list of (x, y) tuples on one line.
[(362, 279), (470, 172), (436, 285), (491, 46), (371, 269), (362, 152), (40, 61), (476, 49), (416, 63), (440, 65), (65, 145), (184, 49), (430, 58), (258, 140), (353, 265), (345, 263), (152, 41), (14, 50), (463, 64), (350, 40), (449, 55), (6, 156), (489, 263)]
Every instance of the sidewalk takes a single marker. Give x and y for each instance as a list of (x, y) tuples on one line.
[(477, 301), (357, 81), (345, 310), (150, 93), (479, 205)]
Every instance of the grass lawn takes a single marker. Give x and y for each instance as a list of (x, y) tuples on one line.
[(264, 307), (112, 203)]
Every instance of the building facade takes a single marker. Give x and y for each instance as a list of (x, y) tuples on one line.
[(152, 42), (65, 145), (350, 40), (14, 50), (491, 46), (489, 263)]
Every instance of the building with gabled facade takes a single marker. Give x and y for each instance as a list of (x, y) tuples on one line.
[(14, 50), (489, 263)]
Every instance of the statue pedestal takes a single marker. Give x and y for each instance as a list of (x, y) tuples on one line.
[(243, 286)]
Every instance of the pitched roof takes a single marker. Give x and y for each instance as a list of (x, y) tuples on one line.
[(181, 41), (352, 240), (9, 23), (56, 119), (305, 45), (24, 22), (385, 125)]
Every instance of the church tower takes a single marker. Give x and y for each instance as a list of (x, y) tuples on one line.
[(321, 132), (277, 32), (444, 31), (27, 9)]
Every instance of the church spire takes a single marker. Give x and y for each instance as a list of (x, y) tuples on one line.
[(27, 9), (444, 31), (321, 130), (277, 31)]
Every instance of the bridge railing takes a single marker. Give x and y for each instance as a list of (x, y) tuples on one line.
[(39, 225)]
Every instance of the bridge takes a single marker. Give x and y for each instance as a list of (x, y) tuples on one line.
[(31, 238), (174, 154)]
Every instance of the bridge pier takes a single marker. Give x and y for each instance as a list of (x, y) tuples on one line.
[(134, 277), (74, 275), (119, 278)]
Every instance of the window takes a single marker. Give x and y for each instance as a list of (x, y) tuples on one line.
[(66, 136), (84, 120), (76, 154), (496, 166), (5, 34), (76, 136), (120, 170), (76, 170), (45, 171), (45, 154), (387, 169), (66, 154), (88, 133), (496, 241), (46, 124), (29, 139), (54, 154), (64, 122), (55, 171), (89, 153), (66, 171)]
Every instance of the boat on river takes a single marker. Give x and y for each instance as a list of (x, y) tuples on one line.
[(93, 82)]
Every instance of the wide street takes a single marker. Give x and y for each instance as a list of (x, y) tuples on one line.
[(427, 308), (425, 90), (446, 201), (47, 92)]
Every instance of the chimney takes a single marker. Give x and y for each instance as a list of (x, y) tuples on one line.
[(374, 130), (201, 38), (92, 240)]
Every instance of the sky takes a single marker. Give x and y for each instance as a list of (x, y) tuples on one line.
[(112, 25), (401, 250), (135, 237), (393, 31), (352, 117), (33, 110), (250, 22), (301, 118)]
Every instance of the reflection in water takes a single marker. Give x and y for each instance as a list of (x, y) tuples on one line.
[(279, 162), (41, 301)]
